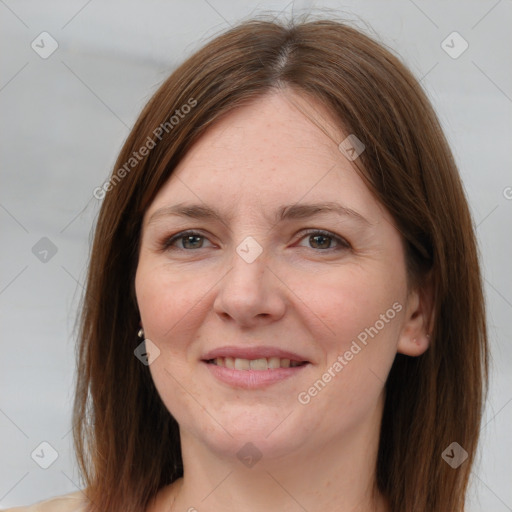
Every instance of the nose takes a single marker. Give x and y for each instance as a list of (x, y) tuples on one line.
[(250, 293)]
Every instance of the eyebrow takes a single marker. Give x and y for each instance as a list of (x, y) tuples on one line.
[(286, 212)]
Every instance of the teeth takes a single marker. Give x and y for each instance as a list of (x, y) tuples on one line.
[(274, 362), (259, 364), (242, 364), (263, 363)]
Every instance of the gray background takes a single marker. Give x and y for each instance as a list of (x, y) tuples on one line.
[(64, 119)]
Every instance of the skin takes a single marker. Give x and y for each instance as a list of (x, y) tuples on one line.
[(309, 295)]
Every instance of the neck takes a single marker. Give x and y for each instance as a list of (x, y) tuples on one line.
[(338, 475)]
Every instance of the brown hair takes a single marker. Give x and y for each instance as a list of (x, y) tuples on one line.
[(127, 443)]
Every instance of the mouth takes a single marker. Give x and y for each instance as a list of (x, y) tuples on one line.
[(259, 364), (253, 367)]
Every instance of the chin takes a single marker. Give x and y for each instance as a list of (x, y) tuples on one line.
[(269, 436)]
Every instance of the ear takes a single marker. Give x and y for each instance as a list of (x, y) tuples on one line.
[(414, 337)]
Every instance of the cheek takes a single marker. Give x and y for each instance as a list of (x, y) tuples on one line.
[(168, 303), (361, 315), (168, 300), (345, 304)]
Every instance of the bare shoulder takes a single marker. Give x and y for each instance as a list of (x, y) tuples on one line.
[(73, 502)]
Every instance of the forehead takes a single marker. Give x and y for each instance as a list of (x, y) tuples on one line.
[(266, 154)]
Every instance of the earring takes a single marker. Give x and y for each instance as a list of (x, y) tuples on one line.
[(140, 334)]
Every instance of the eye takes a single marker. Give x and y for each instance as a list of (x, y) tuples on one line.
[(323, 240), (189, 239)]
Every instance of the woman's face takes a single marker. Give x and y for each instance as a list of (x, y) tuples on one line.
[(256, 285)]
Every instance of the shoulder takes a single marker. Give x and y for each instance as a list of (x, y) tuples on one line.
[(73, 502)]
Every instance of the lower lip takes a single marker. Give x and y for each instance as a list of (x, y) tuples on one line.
[(253, 379)]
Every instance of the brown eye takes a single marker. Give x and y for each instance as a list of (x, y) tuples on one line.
[(323, 240), (318, 239), (189, 240)]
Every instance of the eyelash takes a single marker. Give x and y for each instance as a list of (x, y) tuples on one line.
[(342, 243)]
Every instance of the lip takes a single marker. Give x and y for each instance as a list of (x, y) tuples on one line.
[(256, 352), (252, 379)]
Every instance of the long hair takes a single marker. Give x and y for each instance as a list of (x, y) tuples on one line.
[(126, 441)]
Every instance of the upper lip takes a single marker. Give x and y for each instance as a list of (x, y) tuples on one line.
[(257, 352)]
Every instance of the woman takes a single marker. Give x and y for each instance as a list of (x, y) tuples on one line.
[(284, 305)]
